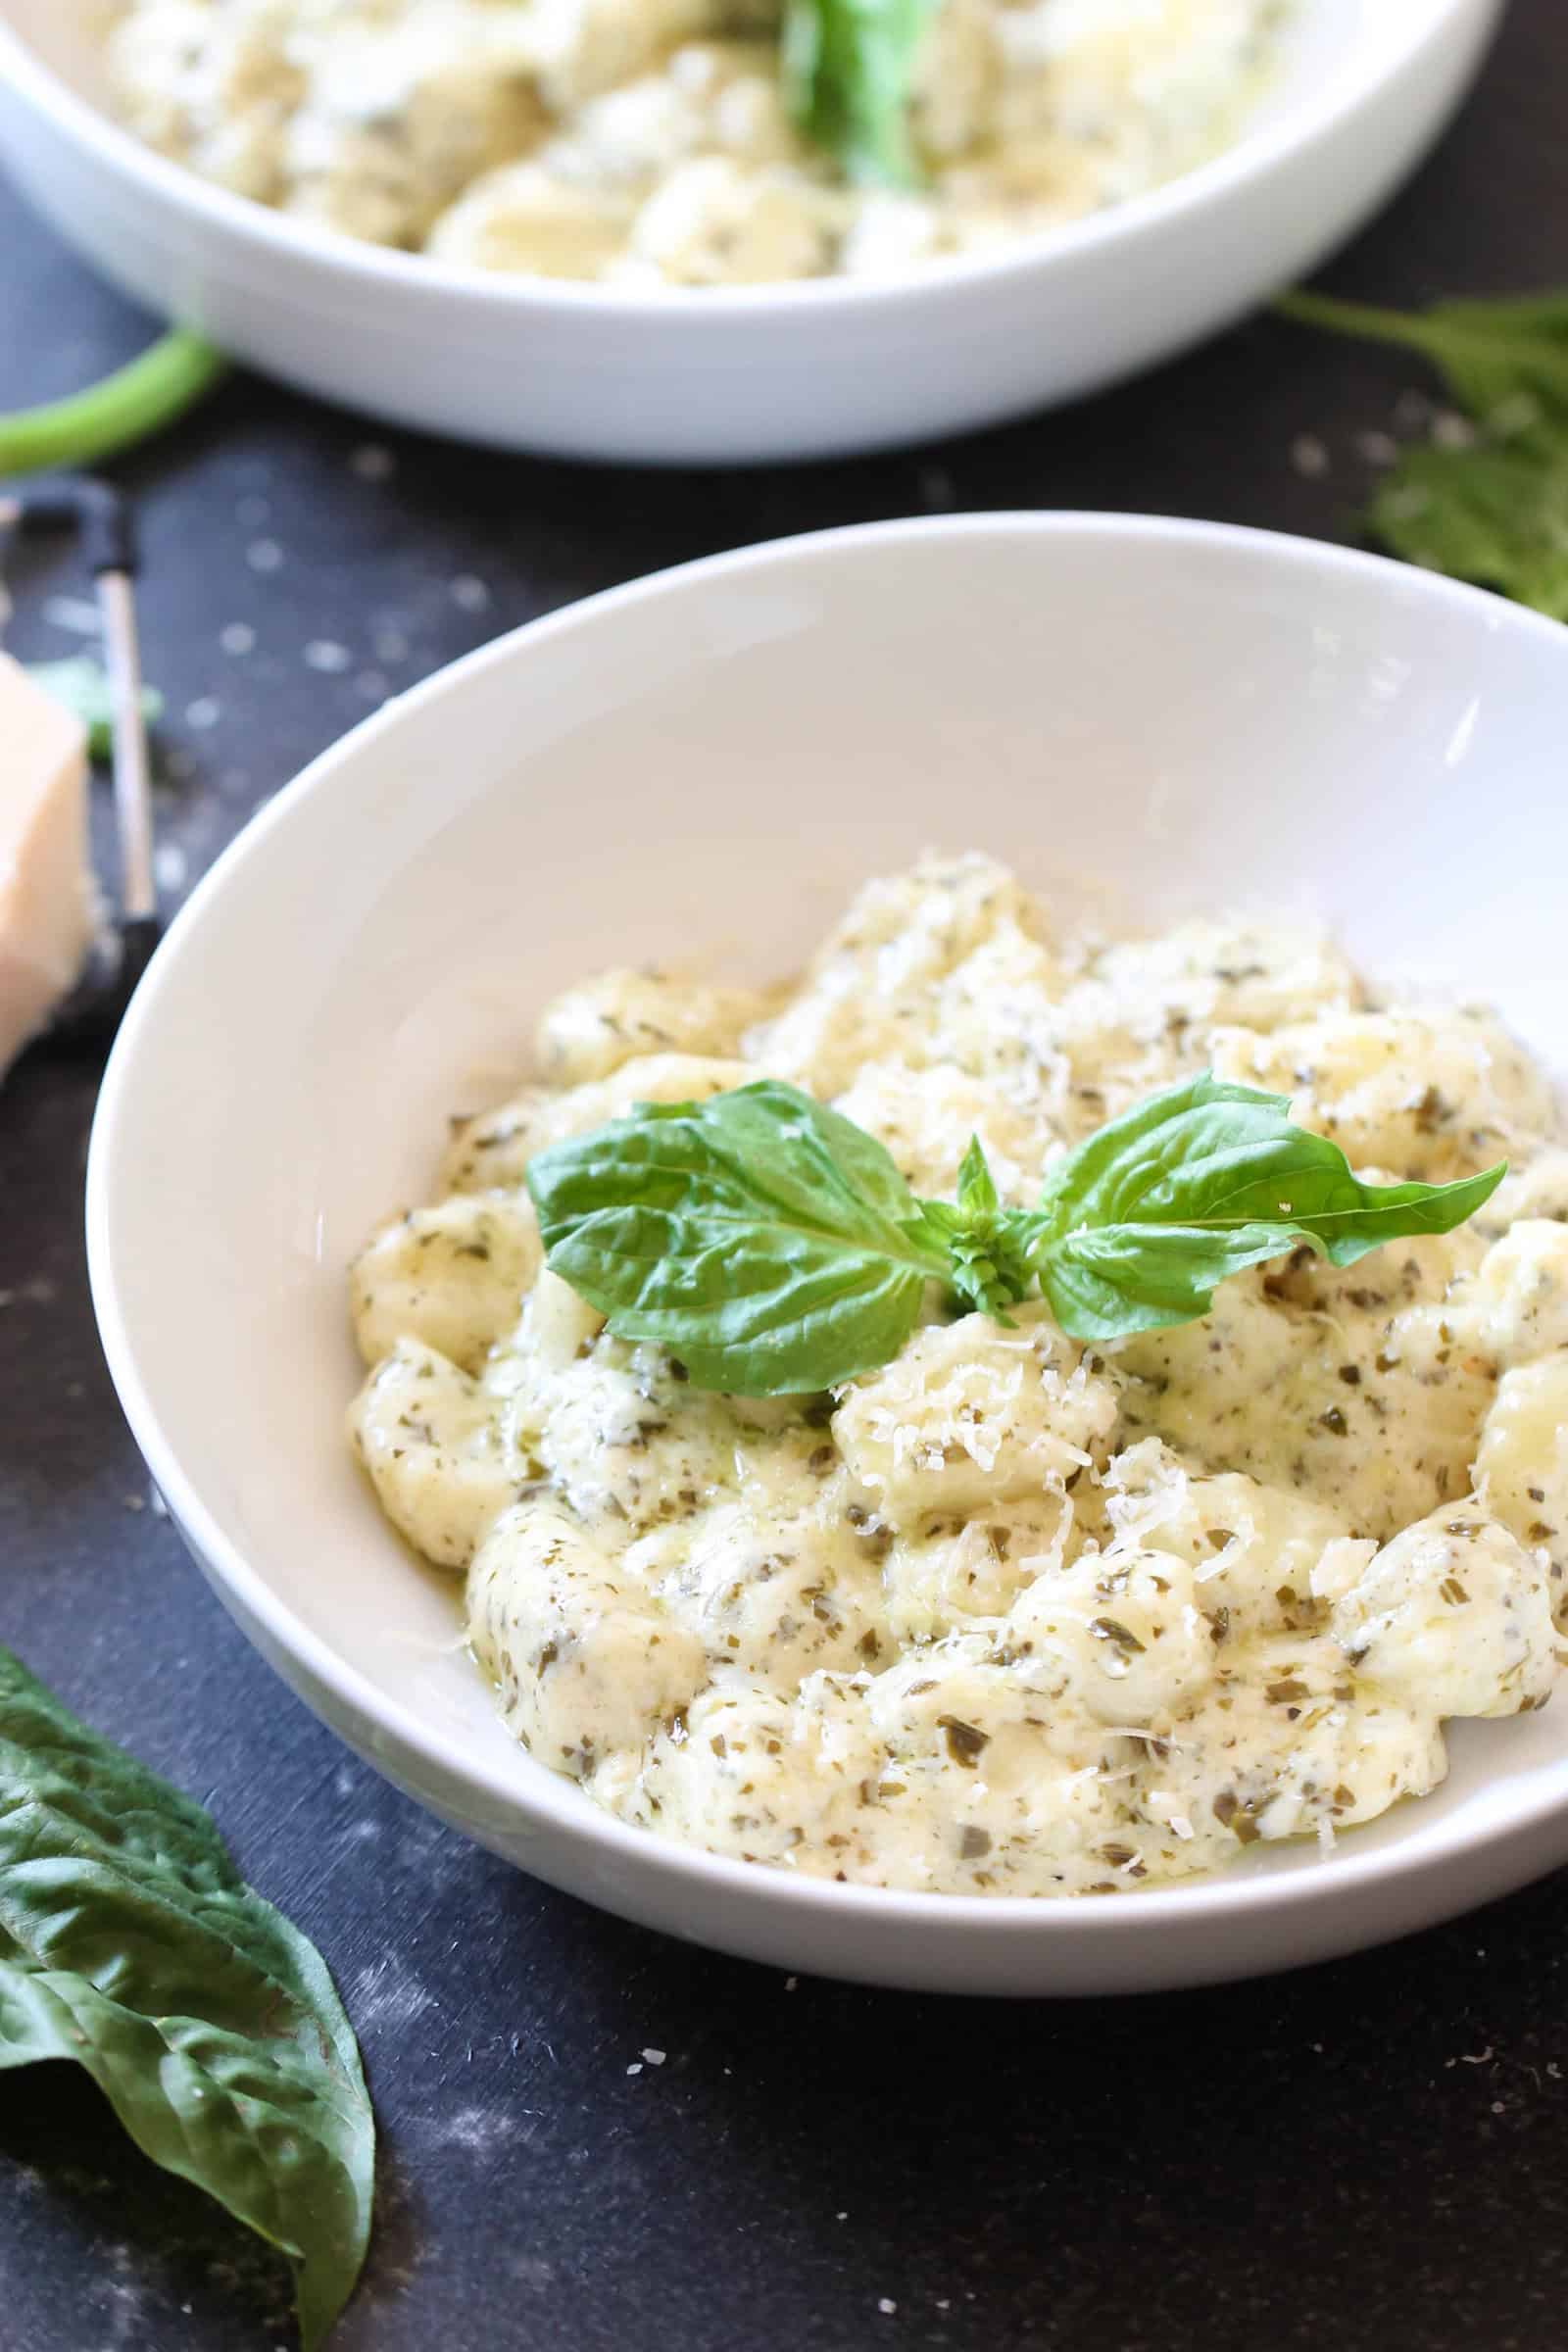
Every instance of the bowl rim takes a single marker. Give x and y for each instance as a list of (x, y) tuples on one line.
[(1261, 149), (396, 1729)]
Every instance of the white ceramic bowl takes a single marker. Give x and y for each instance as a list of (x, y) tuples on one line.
[(765, 373), (715, 756)]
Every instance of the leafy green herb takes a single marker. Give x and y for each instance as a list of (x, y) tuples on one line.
[(154, 391), (774, 1247), (849, 69), (1494, 509), (1142, 1220), (82, 685), (771, 1244), (988, 1265), (131, 1944)]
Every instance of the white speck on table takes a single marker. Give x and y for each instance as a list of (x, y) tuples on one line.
[(74, 614), (237, 637), (327, 656), (265, 555)]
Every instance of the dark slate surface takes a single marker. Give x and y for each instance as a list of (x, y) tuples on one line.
[(1371, 2154)]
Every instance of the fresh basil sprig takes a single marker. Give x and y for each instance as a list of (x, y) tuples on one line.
[(848, 69), (774, 1246), (131, 1944)]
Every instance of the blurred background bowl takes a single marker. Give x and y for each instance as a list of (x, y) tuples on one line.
[(812, 368)]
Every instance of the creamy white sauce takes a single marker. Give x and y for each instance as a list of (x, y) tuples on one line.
[(646, 142), (1007, 1616)]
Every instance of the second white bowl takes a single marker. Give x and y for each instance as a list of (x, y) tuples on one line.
[(726, 375)]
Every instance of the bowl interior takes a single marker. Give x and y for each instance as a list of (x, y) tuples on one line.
[(701, 767), (1327, 46)]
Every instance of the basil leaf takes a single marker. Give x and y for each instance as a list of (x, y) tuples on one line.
[(131, 1944), (767, 1242), (80, 685), (849, 69), (1138, 1223), (1495, 510), (1496, 514)]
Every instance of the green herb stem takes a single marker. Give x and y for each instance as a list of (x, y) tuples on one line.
[(1366, 320), (1493, 335), (152, 392)]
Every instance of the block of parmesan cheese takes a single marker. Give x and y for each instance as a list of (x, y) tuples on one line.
[(47, 902)]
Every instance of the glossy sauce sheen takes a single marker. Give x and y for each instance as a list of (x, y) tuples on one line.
[(1007, 1616), (648, 142)]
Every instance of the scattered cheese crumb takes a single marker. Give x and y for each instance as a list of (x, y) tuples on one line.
[(75, 614), (656, 2057), (886, 2305), (265, 555), (326, 655), (470, 593), (634, 2069), (1308, 456), (204, 711), (237, 637)]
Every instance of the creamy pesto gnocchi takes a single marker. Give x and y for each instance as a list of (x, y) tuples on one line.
[(1011, 1615), (650, 142)]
